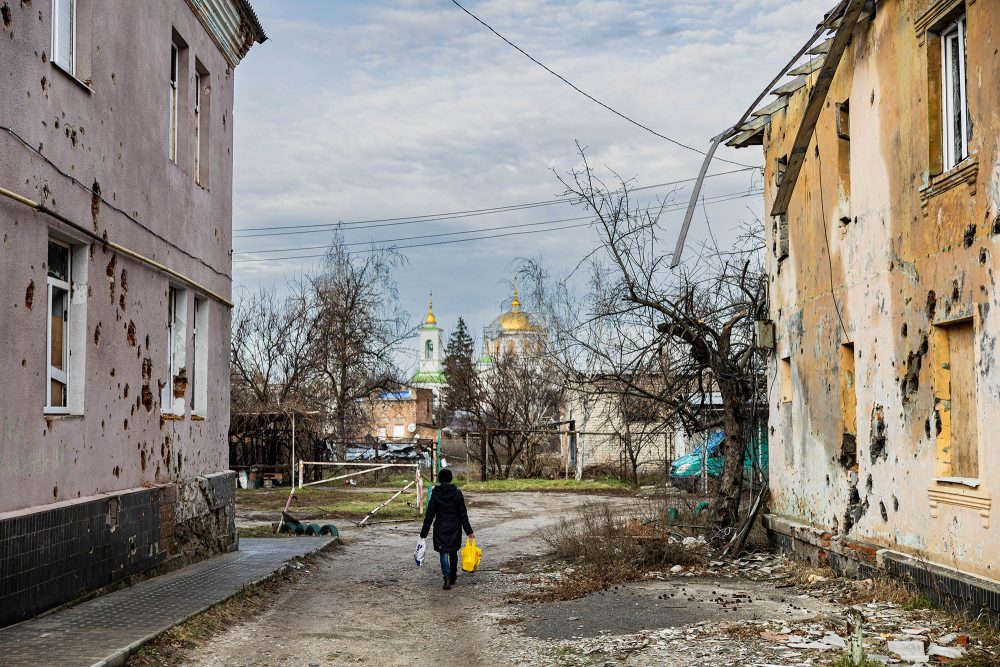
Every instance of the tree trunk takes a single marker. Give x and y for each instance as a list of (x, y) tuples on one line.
[(734, 423)]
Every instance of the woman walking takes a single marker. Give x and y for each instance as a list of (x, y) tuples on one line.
[(446, 510)]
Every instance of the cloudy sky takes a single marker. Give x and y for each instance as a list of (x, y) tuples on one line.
[(368, 110)]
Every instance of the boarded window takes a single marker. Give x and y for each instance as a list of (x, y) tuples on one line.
[(964, 440), (58, 284), (199, 369)]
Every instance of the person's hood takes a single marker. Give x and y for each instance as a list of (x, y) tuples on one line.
[(445, 491)]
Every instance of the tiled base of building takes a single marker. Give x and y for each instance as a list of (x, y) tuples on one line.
[(950, 588), (53, 554)]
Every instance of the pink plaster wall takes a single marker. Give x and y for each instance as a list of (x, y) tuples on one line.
[(115, 135)]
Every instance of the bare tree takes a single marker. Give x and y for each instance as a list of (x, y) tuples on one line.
[(357, 332), (697, 321)]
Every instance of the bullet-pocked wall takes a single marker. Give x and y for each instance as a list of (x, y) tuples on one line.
[(885, 305), (115, 374)]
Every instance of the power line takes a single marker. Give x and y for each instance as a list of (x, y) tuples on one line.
[(672, 207), (476, 238), (585, 94), (433, 217)]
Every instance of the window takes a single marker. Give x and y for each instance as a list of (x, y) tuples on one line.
[(843, 117), (197, 128), (174, 92), (785, 372), (848, 408), (429, 350), (199, 369), (955, 123), (64, 19), (955, 400), (175, 385), (59, 277), (398, 431)]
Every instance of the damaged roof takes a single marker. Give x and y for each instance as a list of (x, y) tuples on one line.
[(232, 24), (751, 132)]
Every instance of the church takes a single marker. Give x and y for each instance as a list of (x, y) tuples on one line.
[(513, 331)]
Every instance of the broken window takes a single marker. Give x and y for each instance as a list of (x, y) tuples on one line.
[(174, 93), (58, 283), (199, 369), (844, 161), (955, 124), (848, 408), (785, 370), (175, 386), (64, 19)]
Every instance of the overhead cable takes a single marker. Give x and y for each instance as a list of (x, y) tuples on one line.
[(433, 217), (586, 94), (435, 243)]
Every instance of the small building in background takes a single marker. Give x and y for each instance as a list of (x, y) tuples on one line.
[(116, 144), (402, 416)]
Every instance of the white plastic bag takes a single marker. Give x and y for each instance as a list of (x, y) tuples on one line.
[(418, 553)]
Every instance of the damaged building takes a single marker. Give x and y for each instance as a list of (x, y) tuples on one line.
[(116, 131), (882, 185)]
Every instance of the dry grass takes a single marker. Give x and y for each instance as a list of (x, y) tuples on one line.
[(173, 646), (606, 549)]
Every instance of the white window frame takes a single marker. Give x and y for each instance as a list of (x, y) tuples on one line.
[(197, 128), (52, 373), (57, 16), (954, 36), (175, 64), (199, 369)]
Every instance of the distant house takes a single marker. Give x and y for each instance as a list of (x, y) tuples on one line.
[(400, 416), (116, 221), (882, 180)]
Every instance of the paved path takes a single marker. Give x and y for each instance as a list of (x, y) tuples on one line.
[(101, 632)]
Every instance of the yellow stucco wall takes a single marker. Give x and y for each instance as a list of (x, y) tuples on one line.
[(919, 252)]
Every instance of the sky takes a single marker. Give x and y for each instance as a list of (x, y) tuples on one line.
[(360, 110)]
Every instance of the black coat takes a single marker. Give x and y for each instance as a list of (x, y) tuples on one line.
[(446, 510)]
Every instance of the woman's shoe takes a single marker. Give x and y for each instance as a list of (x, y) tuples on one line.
[(447, 584)]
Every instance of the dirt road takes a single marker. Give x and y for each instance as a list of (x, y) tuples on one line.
[(370, 604), (367, 603)]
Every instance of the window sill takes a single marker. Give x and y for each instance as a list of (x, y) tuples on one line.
[(197, 418), (170, 416), (970, 482), (82, 84), (949, 491), (60, 413), (966, 172)]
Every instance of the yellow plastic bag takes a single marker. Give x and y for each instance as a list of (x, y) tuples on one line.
[(471, 555)]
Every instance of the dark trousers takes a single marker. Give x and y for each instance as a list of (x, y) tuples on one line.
[(449, 563)]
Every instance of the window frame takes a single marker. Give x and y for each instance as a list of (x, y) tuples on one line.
[(71, 66), (197, 127), (954, 30), (175, 51), (51, 373)]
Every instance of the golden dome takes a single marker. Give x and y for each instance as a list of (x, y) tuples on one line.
[(516, 319), (430, 319)]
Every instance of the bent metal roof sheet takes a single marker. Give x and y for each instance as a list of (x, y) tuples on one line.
[(232, 24)]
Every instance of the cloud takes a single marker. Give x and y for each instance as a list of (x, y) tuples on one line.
[(375, 109)]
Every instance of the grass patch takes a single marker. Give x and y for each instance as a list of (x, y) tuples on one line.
[(323, 503), (845, 661), (606, 486), (176, 644), (606, 548), (918, 601)]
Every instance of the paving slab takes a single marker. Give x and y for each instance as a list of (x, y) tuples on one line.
[(104, 631)]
